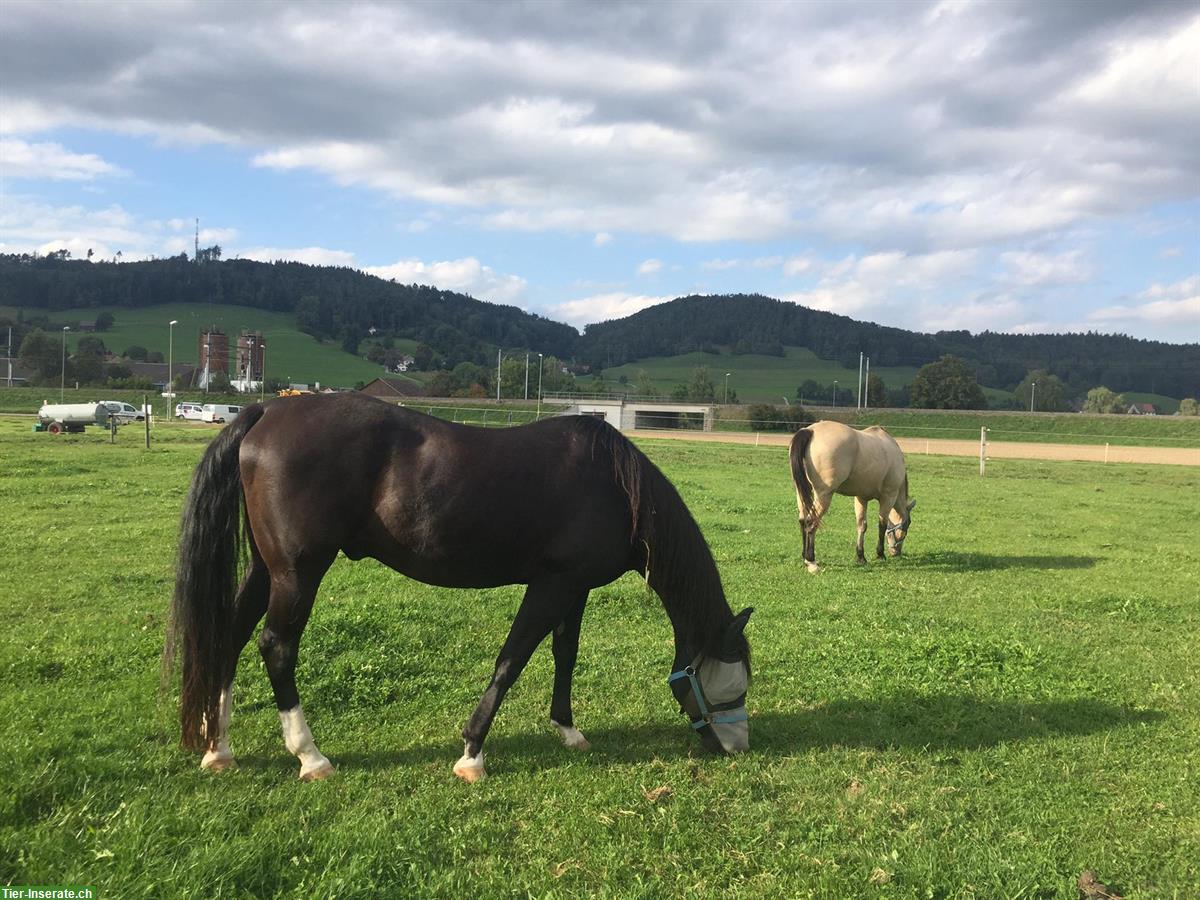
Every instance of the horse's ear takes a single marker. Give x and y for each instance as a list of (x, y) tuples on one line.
[(911, 504), (739, 621)]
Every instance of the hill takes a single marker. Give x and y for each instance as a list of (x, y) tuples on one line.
[(775, 346), (753, 324)]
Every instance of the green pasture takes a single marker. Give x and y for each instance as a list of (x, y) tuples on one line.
[(755, 378), (291, 354), (1013, 702)]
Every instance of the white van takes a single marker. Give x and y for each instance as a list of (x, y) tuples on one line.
[(219, 412)]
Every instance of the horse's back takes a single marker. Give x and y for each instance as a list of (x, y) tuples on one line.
[(854, 463)]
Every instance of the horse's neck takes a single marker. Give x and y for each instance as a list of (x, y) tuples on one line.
[(689, 586)]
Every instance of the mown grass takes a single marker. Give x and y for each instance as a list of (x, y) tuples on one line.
[(1013, 702)]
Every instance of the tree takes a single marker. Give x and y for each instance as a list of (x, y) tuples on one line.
[(701, 388), (644, 386), (89, 343), (105, 320), (1050, 394), (87, 368), (136, 352), (876, 391), (1102, 400), (948, 383), (218, 383), (41, 353), (1189, 407), (155, 356)]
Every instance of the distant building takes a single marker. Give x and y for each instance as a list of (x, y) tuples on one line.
[(250, 348), (1142, 409), (213, 352), (393, 388)]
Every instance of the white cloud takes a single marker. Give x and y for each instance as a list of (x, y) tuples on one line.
[(1029, 269), (50, 161), (1173, 307), (1170, 252), (797, 265), (650, 267), (602, 239), (602, 307), (467, 276), (721, 265)]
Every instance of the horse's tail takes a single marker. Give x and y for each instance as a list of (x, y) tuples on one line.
[(800, 441), (206, 579)]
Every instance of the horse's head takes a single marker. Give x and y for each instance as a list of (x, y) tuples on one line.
[(897, 529), (712, 690)]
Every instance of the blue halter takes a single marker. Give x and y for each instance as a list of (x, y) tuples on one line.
[(719, 713)]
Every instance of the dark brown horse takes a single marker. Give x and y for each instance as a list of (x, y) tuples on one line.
[(563, 506)]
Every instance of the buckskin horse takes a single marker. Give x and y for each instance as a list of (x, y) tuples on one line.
[(561, 505), (831, 458)]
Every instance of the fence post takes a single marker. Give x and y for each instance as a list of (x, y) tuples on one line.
[(982, 449), (1106, 452), (146, 416)]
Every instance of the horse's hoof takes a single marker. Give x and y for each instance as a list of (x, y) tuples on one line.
[(572, 737), (862, 560), (813, 568), (470, 768), (214, 762), (320, 773)]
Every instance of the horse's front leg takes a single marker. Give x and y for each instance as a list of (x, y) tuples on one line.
[(883, 524), (566, 649), (538, 614), (860, 519)]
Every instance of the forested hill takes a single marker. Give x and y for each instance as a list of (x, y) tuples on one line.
[(344, 304), (329, 302), (757, 324)]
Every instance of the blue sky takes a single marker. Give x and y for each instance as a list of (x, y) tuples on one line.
[(1008, 166)]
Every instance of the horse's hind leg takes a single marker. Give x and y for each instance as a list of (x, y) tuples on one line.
[(540, 611), (292, 595), (566, 649), (249, 606), (860, 519)]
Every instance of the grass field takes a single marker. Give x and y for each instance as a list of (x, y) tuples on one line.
[(291, 354), (1012, 703), (755, 378)]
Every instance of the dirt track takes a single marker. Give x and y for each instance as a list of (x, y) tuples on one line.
[(1176, 456)]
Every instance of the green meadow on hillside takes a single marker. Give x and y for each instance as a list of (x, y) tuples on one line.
[(291, 354), (1011, 703)]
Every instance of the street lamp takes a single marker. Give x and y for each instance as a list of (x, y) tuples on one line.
[(526, 376), (1032, 394), (171, 364), (726, 388), (262, 371), (62, 383), (539, 405), (835, 393)]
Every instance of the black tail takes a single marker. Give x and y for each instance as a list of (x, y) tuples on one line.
[(206, 579), (800, 441)]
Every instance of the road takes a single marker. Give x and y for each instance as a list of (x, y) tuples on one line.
[(1176, 456)]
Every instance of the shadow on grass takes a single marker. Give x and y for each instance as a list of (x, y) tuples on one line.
[(935, 724), (954, 561)]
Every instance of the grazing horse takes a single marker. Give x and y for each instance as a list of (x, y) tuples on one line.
[(831, 458), (563, 505)]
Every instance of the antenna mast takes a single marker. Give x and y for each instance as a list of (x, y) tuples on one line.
[(197, 256)]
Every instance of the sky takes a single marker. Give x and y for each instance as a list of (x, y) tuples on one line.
[(1013, 166)]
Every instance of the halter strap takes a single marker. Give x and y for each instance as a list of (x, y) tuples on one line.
[(718, 713)]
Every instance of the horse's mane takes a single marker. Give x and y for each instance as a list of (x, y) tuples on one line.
[(678, 563)]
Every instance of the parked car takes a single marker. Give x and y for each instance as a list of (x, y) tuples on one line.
[(192, 412), (123, 412), (219, 412)]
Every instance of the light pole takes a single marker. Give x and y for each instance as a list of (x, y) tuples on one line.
[(171, 364), (726, 388), (499, 353), (539, 405), (62, 383), (1032, 394), (835, 393), (526, 376), (262, 371)]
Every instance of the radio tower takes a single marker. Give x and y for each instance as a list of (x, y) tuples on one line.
[(197, 256)]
